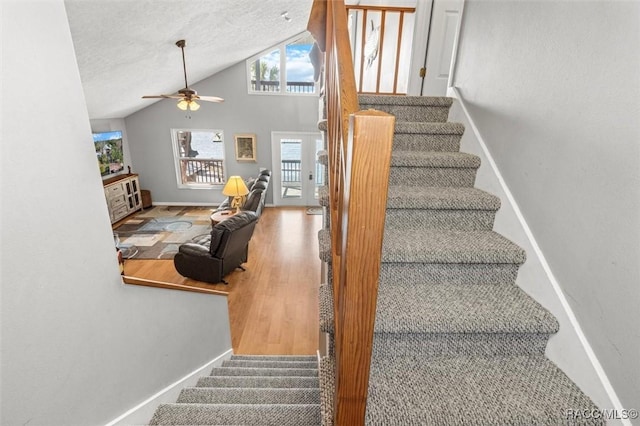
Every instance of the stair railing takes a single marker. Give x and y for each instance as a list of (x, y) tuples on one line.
[(359, 148), (389, 49)]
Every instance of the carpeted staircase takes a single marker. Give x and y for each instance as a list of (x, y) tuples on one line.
[(456, 340), (250, 390)]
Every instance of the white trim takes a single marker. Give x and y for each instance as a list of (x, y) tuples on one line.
[(183, 203), (170, 393), (456, 45), (617, 405)]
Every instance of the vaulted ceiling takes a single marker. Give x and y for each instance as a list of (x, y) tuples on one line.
[(126, 48)]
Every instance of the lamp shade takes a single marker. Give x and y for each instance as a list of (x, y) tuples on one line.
[(188, 104), (235, 187)]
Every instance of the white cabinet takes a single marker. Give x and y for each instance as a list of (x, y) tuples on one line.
[(123, 196)]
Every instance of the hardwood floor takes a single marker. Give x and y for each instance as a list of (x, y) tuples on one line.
[(273, 305)]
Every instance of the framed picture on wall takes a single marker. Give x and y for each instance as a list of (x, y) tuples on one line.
[(246, 147)]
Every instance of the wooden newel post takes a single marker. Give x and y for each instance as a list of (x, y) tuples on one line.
[(368, 159)]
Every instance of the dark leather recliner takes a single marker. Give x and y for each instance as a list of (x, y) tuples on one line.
[(213, 256), (256, 198)]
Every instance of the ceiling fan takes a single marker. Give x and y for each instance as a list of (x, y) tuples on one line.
[(187, 95)]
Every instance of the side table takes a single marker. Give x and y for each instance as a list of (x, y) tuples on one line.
[(218, 217)]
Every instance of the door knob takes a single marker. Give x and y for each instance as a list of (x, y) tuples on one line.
[(310, 176)]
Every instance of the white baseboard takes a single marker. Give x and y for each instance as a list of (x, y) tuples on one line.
[(185, 204), (142, 413), (588, 350)]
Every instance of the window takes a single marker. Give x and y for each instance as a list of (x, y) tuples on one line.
[(265, 71), (199, 156)]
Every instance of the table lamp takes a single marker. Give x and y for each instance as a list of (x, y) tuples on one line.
[(235, 188)]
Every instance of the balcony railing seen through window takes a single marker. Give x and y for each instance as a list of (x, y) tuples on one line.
[(274, 86), (202, 171)]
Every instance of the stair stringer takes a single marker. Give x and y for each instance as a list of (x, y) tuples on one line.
[(569, 348)]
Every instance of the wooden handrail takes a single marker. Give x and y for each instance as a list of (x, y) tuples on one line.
[(359, 148)]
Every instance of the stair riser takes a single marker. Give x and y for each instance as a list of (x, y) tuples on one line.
[(429, 273), (308, 358), (476, 344), (249, 396), (257, 382), (471, 220), (426, 142), (269, 364), (431, 114), (468, 274), (187, 414), (304, 372), (432, 176)]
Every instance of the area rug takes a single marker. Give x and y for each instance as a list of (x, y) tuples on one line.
[(157, 233), (314, 210)]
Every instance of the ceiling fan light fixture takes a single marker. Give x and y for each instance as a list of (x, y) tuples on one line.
[(183, 105), (187, 95)]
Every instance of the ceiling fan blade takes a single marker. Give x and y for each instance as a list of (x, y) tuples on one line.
[(210, 98), (162, 97)]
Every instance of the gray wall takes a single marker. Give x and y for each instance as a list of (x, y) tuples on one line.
[(78, 346), (149, 132), (554, 88)]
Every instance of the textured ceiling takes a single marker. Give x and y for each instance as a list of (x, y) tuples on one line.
[(126, 48)]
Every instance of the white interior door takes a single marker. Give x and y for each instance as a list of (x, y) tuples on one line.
[(296, 173), (444, 21)]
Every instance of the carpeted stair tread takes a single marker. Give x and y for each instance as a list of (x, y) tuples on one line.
[(521, 390), (323, 157), (248, 371), (412, 127), (449, 246), (450, 308), (276, 357), (327, 389), (448, 198), (434, 159), (324, 245), (409, 108), (323, 195), (430, 138), (258, 382), (201, 395), (325, 300), (237, 414), (405, 100), (269, 364), (447, 308)]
